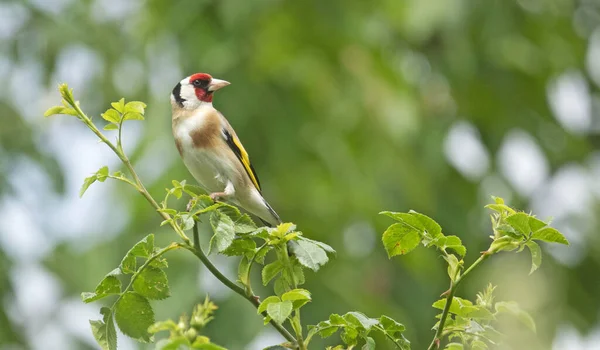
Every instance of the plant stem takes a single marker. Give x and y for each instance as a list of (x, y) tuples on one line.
[(199, 253), (295, 321), (435, 343)]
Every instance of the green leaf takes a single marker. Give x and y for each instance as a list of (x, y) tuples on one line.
[(500, 208), (513, 308), (119, 106), (102, 174), (504, 243), (536, 255), (244, 224), (369, 344), (400, 239), (350, 336), (223, 229), (454, 243), (243, 270), (133, 116), (431, 226), (536, 224), (454, 346), (111, 126), (549, 234), (134, 315), (110, 285), (87, 183), (464, 308), (111, 116), (390, 325), (104, 331), (143, 249), (520, 222), (280, 311), (271, 270), (152, 283), (241, 246), (187, 222), (60, 110), (135, 107), (309, 254), (360, 320), (269, 300), (298, 297), (453, 266), (168, 325), (327, 248)]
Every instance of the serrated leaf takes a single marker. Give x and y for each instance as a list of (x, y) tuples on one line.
[(152, 283), (513, 308), (86, 184), (549, 234), (143, 249), (400, 239), (244, 225), (241, 246), (309, 254), (520, 222), (270, 271), (224, 231), (431, 226), (111, 116), (269, 300), (104, 331), (280, 311), (536, 255), (110, 285), (391, 326), (134, 315)]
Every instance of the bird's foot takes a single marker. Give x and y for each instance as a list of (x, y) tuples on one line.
[(215, 196)]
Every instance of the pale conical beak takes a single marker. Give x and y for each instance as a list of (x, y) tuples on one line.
[(216, 84)]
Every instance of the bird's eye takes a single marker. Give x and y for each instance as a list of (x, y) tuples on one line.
[(199, 83)]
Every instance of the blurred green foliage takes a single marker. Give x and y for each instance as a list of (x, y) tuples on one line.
[(345, 108)]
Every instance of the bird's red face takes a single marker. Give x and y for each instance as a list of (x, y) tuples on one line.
[(196, 89)]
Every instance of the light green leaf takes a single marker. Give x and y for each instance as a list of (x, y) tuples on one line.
[(500, 208), (549, 234), (119, 106), (536, 255), (504, 243), (111, 126), (270, 271), (327, 248), (478, 345), (453, 266), (111, 116), (102, 174), (133, 116), (400, 239), (60, 110), (104, 331), (143, 248), (168, 325), (87, 183), (520, 222), (244, 224), (309, 254), (243, 270), (280, 311), (298, 297), (513, 308), (454, 243), (134, 315), (431, 226), (269, 300), (135, 106), (152, 283), (454, 346), (360, 320), (536, 224), (224, 231), (390, 325), (241, 246), (369, 344)]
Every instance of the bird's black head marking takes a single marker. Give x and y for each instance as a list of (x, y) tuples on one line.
[(177, 95)]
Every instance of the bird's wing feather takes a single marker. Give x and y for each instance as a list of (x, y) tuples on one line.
[(236, 146)]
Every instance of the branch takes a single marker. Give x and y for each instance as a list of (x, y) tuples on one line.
[(435, 343)]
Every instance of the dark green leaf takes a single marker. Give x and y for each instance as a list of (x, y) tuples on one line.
[(134, 315), (110, 285), (223, 229), (400, 239), (152, 283), (549, 234), (309, 254), (143, 249)]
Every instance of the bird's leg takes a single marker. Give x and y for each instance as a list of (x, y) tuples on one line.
[(229, 191)]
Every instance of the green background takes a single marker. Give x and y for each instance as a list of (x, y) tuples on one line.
[(347, 108)]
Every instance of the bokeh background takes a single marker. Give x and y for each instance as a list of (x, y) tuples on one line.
[(348, 108)]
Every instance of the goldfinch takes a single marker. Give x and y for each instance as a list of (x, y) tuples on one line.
[(211, 150)]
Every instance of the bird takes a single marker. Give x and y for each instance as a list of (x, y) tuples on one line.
[(212, 151)]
